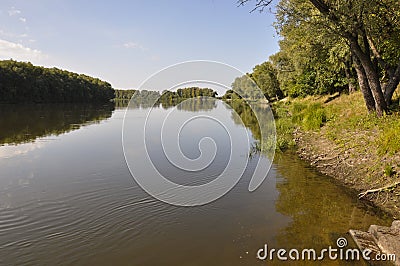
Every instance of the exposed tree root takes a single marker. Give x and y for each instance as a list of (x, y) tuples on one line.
[(362, 194)]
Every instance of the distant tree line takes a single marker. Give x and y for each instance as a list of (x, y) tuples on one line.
[(143, 98), (184, 93), (195, 92), (22, 82), (171, 98), (167, 99), (123, 94)]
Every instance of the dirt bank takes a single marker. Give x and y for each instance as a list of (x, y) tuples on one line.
[(355, 167)]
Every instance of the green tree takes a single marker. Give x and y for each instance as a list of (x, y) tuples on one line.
[(370, 30), (23, 82), (265, 75)]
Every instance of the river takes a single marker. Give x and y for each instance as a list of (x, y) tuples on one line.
[(67, 196)]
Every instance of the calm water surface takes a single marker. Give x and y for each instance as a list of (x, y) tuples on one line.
[(67, 197)]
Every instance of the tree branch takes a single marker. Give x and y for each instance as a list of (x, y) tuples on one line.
[(361, 195), (378, 57), (260, 4)]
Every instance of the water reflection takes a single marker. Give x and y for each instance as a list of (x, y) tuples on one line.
[(321, 210), (192, 104), (9, 151), (25, 123), (199, 104)]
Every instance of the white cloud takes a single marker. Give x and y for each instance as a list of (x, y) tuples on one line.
[(23, 20), (134, 45), (9, 151), (6, 34), (13, 12), (19, 52), (12, 35), (154, 58)]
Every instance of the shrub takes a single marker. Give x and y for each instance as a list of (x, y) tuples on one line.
[(388, 141), (389, 171), (309, 117), (314, 117)]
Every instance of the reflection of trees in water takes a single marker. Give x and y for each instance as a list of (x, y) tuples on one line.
[(168, 99), (167, 103), (24, 123), (320, 211), (247, 117), (263, 124), (192, 104), (136, 103), (198, 104), (137, 99)]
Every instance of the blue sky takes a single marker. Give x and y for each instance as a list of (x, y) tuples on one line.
[(124, 42)]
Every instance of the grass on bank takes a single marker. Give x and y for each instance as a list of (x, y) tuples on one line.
[(289, 115), (345, 119)]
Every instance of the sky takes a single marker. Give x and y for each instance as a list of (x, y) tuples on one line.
[(125, 42)]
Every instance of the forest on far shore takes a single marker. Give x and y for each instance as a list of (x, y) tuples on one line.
[(22, 82)]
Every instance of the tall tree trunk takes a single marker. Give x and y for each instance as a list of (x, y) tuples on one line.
[(364, 86), (393, 73), (392, 84), (372, 76), (348, 72)]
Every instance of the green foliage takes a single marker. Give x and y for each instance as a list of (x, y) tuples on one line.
[(388, 141), (284, 125), (282, 144), (137, 99), (309, 117), (24, 83), (284, 132), (297, 108), (262, 82), (314, 117), (192, 92), (320, 41), (171, 98), (312, 60), (388, 171), (231, 95), (124, 94), (246, 88), (350, 124), (265, 75)]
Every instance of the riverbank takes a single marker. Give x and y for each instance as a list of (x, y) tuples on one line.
[(338, 137)]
